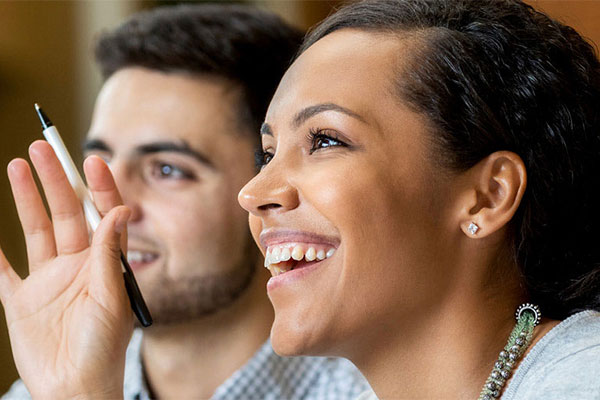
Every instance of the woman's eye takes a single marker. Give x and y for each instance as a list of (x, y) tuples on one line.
[(321, 139), (163, 170), (262, 158)]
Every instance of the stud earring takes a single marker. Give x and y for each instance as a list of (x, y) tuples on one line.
[(473, 228)]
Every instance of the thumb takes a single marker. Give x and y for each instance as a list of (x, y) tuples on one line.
[(106, 273)]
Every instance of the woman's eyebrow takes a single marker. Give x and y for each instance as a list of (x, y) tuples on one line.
[(311, 111), (265, 129)]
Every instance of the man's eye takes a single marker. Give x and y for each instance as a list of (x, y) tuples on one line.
[(262, 158), (323, 138), (163, 170)]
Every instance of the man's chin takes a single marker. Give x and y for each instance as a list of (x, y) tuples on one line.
[(175, 302)]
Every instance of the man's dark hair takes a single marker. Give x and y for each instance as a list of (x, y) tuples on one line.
[(249, 47), (494, 75)]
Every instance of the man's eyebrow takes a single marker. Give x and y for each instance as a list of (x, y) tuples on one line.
[(311, 111), (95, 144), (181, 147)]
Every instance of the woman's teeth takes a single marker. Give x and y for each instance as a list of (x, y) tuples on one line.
[(277, 259)]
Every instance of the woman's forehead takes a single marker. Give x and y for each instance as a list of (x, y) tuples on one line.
[(353, 68)]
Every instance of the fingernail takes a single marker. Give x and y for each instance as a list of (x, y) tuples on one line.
[(11, 167)]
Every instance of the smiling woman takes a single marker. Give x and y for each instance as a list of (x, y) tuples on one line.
[(444, 155), (427, 168)]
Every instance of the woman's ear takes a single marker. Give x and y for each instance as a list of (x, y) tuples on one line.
[(494, 189)]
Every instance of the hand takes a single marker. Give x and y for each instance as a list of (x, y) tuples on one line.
[(69, 321)]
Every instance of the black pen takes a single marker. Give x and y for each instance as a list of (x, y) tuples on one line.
[(138, 305)]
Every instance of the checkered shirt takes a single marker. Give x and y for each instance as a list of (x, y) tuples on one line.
[(266, 376)]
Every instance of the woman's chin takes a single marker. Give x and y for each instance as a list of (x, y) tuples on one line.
[(289, 338)]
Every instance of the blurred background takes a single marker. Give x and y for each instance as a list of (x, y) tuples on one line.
[(46, 57)]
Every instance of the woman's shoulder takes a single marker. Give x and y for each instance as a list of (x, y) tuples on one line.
[(564, 364)]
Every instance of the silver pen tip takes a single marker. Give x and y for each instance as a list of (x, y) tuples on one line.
[(36, 106)]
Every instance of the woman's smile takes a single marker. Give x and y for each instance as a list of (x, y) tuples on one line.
[(292, 254), (286, 250)]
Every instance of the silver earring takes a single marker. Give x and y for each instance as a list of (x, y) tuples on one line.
[(473, 228)]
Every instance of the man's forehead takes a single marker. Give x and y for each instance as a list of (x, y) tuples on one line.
[(141, 102)]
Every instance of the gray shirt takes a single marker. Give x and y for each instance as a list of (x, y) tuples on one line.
[(564, 364)]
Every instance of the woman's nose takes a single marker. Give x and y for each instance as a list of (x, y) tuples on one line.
[(269, 192)]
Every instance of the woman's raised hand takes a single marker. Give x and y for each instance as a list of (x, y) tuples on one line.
[(69, 321)]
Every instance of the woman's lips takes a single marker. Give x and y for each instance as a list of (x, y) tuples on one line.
[(291, 254), (271, 237), (300, 270)]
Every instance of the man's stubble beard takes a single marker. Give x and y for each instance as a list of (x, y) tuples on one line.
[(185, 299)]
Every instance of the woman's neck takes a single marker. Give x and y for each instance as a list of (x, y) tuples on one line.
[(445, 353)]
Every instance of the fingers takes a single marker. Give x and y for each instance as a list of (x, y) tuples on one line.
[(103, 188), (9, 280), (37, 228), (102, 185), (70, 229), (106, 270)]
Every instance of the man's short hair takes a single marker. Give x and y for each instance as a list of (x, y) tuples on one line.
[(249, 47)]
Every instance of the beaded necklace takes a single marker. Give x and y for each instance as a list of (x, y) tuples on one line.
[(527, 316)]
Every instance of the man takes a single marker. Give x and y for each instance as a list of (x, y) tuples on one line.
[(177, 121)]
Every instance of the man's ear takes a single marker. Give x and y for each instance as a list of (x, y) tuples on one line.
[(492, 194)]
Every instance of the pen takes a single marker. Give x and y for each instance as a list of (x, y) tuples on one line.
[(138, 305)]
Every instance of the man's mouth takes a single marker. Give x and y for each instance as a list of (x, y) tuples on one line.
[(285, 257), (138, 258)]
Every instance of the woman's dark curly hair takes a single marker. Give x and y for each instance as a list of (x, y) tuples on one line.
[(497, 75)]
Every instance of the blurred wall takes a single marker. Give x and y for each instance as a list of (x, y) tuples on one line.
[(45, 57), (583, 15), (36, 65)]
